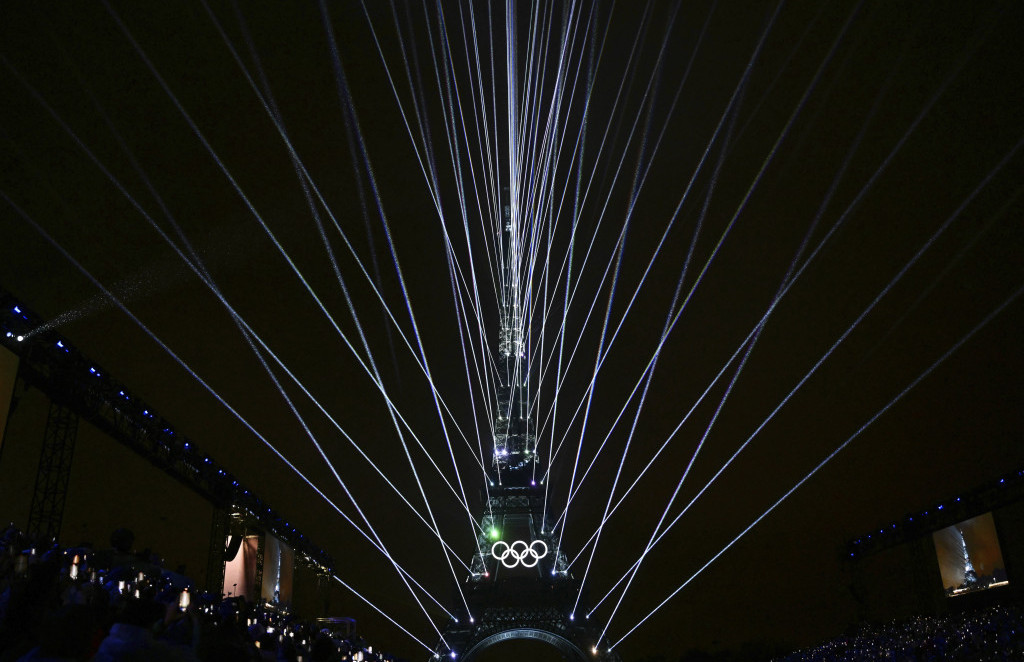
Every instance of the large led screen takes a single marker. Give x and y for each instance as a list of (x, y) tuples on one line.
[(969, 556)]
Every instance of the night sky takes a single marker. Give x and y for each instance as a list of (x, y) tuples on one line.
[(866, 129)]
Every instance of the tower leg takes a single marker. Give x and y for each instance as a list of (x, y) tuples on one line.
[(258, 580), (216, 556), (54, 473)]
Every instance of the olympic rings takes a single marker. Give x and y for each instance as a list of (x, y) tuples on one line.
[(520, 552)]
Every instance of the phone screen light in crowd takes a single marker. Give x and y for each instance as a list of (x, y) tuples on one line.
[(183, 600)]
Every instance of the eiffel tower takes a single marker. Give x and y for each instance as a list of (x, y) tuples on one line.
[(519, 586)]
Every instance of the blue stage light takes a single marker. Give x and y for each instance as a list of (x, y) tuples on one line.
[(17, 310)]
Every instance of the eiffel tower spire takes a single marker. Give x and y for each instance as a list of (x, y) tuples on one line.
[(515, 442)]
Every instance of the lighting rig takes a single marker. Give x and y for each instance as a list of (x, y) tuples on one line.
[(49, 362), (1004, 490)]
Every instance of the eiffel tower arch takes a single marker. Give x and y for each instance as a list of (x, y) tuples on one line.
[(519, 585)]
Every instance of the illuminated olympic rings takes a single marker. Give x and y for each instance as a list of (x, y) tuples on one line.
[(519, 552)]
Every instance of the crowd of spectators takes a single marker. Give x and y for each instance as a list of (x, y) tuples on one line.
[(993, 633), (116, 605)]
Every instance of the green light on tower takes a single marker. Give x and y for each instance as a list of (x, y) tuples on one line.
[(495, 534)]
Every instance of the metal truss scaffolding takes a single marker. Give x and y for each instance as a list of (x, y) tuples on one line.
[(49, 362), (216, 558), (257, 590), (54, 473)]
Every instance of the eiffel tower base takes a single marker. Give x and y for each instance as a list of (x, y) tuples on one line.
[(541, 602), (523, 613)]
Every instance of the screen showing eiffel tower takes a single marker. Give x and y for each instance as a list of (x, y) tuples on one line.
[(969, 556)]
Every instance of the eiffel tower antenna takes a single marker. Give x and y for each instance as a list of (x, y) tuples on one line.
[(515, 442)]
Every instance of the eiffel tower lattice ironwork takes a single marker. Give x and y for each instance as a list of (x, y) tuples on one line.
[(519, 586)]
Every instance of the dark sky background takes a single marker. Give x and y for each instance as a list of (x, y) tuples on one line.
[(959, 64)]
